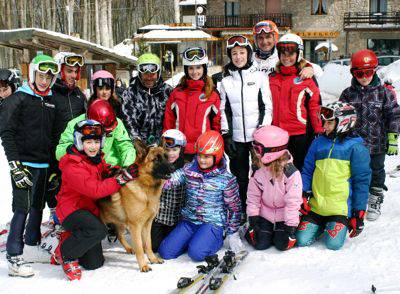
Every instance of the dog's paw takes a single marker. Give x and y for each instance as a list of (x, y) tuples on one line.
[(129, 250), (157, 260), (146, 268)]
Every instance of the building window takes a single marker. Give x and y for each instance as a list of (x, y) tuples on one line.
[(319, 7), (378, 6), (232, 8), (384, 46)]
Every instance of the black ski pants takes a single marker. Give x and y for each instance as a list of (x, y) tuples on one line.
[(158, 234)]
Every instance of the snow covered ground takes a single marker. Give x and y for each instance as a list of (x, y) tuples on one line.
[(371, 258)]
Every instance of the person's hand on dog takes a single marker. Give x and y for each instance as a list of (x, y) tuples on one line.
[(127, 174), (111, 171)]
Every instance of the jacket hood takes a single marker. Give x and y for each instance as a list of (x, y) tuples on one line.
[(25, 88), (195, 85)]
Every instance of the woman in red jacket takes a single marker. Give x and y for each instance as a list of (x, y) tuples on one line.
[(85, 178), (193, 106), (295, 102)]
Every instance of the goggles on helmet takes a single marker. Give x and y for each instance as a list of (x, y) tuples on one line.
[(46, 67), (101, 82), (263, 27), (287, 47), (95, 130), (233, 41), (330, 114), (360, 73), (192, 53), (74, 60), (171, 142), (148, 68), (261, 149)]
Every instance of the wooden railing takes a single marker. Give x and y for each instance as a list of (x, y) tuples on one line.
[(359, 20), (247, 21)]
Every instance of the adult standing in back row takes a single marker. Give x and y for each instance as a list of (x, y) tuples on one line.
[(245, 105)]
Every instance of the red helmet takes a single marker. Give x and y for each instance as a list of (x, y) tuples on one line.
[(364, 59), (210, 143), (102, 111)]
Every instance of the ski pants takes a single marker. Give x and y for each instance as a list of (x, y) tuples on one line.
[(240, 167), (158, 233), (298, 147), (378, 170), (332, 228), (84, 243), (265, 234), (198, 240)]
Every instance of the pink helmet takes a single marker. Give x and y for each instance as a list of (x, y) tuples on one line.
[(101, 78), (270, 143)]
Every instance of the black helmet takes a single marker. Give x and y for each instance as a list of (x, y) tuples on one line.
[(9, 78)]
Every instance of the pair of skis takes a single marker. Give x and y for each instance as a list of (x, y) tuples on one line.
[(211, 278)]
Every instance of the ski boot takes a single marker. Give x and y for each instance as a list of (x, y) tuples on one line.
[(374, 203), (71, 268), (18, 267), (35, 253)]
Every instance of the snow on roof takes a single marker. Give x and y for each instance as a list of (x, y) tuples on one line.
[(176, 34), (124, 48), (166, 27), (71, 38), (192, 2)]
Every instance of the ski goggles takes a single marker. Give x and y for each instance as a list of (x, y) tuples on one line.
[(327, 113), (74, 60), (265, 27), (360, 73), (96, 130), (192, 53), (287, 47), (171, 142), (238, 40), (101, 82), (261, 149), (48, 67), (148, 68)]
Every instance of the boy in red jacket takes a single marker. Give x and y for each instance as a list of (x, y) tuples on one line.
[(85, 179)]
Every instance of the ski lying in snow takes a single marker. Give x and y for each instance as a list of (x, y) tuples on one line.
[(186, 284), (394, 173)]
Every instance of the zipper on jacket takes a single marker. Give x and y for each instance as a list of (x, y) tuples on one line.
[(241, 92), (70, 107)]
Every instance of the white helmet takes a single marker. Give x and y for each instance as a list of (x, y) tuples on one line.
[(194, 56), (173, 137), (291, 39), (69, 58)]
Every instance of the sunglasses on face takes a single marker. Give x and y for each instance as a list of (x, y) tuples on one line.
[(92, 130), (148, 68), (360, 73), (192, 53), (287, 47), (237, 41), (48, 67), (261, 150), (74, 60)]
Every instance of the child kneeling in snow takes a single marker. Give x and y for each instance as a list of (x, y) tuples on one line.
[(212, 204), (336, 177), (85, 178), (274, 192)]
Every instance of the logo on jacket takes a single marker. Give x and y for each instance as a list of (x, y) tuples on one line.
[(297, 80), (202, 97), (49, 105), (251, 83)]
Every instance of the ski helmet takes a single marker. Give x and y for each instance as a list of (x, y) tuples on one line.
[(88, 129), (43, 64), (70, 59), (102, 111), (9, 78), (364, 59), (344, 114), (270, 143), (102, 78), (173, 137), (149, 63), (266, 26), (210, 143), (291, 43), (241, 41)]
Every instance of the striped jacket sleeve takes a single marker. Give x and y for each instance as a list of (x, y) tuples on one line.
[(233, 206)]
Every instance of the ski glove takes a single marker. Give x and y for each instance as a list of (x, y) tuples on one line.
[(305, 208), (127, 174), (230, 146), (392, 144), (20, 174), (356, 223), (291, 231), (110, 171), (53, 182), (235, 243)]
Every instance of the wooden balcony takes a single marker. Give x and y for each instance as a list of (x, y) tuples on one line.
[(247, 21), (371, 21)]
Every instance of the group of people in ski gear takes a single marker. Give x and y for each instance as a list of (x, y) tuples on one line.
[(263, 110)]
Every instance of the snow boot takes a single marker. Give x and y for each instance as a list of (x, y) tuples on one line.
[(374, 203), (18, 267), (36, 254)]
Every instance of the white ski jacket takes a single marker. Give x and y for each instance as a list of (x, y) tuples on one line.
[(245, 103)]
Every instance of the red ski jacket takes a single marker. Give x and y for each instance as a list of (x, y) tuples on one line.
[(188, 111), (82, 184), (290, 94)]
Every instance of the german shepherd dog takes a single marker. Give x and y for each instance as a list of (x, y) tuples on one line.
[(136, 204)]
